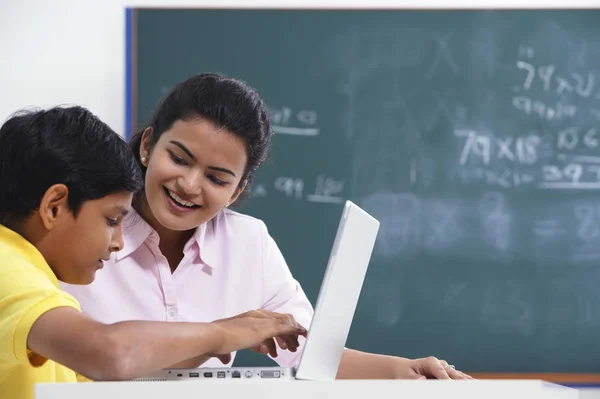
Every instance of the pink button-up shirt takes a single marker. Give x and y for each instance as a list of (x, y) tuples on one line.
[(230, 265)]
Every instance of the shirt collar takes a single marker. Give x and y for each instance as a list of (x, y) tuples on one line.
[(202, 240), (27, 251), (136, 231)]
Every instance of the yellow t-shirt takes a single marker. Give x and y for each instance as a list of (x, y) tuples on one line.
[(28, 289)]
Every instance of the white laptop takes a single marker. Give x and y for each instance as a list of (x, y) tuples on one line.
[(333, 315)]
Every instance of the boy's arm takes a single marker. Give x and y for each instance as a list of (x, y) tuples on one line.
[(131, 349)]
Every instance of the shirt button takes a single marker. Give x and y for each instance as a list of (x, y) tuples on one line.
[(172, 313)]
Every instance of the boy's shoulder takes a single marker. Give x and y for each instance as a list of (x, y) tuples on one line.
[(20, 276), (12, 260), (27, 289)]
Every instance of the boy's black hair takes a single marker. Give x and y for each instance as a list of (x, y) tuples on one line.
[(61, 145)]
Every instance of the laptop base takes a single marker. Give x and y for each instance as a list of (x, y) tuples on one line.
[(224, 373)]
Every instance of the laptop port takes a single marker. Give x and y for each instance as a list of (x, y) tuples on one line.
[(248, 374), (270, 374), (220, 374), (208, 374), (195, 375), (236, 374)]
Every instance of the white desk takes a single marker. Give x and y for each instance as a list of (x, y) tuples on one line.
[(359, 389)]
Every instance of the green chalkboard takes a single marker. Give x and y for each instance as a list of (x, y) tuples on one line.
[(471, 135)]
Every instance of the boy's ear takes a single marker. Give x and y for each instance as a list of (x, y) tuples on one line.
[(54, 205)]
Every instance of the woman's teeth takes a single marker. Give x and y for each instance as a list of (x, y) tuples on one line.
[(179, 200)]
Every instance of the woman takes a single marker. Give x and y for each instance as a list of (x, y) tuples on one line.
[(186, 255)]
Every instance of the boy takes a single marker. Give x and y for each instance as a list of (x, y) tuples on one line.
[(66, 181)]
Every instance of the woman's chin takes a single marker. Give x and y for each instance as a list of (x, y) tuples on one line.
[(171, 222)]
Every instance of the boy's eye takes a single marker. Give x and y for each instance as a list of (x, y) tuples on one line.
[(113, 222), (177, 159)]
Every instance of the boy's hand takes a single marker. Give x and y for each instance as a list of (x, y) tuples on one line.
[(258, 330)]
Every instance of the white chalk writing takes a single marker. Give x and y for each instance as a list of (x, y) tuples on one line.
[(289, 186), (547, 112), (298, 123), (327, 190), (483, 147), (581, 84), (442, 54)]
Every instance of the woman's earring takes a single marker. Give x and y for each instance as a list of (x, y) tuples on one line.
[(144, 159)]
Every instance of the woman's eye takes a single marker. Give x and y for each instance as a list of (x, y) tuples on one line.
[(178, 160), (113, 222), (217, 181)]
